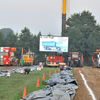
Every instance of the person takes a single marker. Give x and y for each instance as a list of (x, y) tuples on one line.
[(14, 58), (22, 62), (48, 61), (15, 61), (57, 62)]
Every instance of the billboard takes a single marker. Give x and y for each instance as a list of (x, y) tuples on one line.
[(53, 44)]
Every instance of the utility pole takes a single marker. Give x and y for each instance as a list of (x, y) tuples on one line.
[(65, 4), (68, 9)]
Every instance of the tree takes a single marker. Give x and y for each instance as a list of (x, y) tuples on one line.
[(6, 31), (10, 40), (40, 55), (28, 40), (25, 39), (1, 39), (82, 30)]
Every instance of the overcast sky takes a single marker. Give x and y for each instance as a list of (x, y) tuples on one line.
[(41, 15)]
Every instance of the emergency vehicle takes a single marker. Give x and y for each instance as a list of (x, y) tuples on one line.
[(7, 56), (96, 59), (52, 59), (26, 58)]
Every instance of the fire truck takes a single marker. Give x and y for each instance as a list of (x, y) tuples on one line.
[(53, 58), (7, 56)]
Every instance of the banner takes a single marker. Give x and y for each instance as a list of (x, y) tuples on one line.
[(53, 44)]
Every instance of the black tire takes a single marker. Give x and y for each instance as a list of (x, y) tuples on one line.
[(92, 64), (81, 64), (31, 63), (68, 63), (71, 64), (95, 64), (12, 63)]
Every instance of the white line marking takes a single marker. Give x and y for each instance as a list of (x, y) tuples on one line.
[(85, 82)]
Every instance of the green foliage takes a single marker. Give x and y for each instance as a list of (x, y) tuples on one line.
[(84, 34), (1, 39), (82, 30), (6, 31), (12, 88), (10, 40)]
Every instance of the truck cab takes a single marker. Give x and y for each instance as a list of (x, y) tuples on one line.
[(74, 60), (96, 59)]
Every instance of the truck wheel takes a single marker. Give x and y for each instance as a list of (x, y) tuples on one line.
[(12, 63), (68, 63), (71, 64), (31, 63), (94, 65), (81, 64)]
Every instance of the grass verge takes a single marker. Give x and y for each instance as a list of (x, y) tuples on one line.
[(12, 88)]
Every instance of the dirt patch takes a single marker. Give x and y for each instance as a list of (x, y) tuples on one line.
[(92, 76)]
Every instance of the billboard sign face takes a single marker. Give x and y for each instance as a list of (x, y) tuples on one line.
[(53, 44)]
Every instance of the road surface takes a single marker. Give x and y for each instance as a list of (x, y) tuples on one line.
[(92, 76)]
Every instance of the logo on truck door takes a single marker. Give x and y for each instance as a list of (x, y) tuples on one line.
[(52, 57)]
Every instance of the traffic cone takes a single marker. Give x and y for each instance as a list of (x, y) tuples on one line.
[(43, 76), (58, 70), (55, 71), (38, 84), (24, 92), (8, 74), (50, 73)]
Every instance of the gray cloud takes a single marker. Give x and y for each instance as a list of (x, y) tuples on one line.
[(41, 15)]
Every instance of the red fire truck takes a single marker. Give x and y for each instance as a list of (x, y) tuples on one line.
[(53, 58), (7, 56)]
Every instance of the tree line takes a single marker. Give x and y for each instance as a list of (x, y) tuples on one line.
[(82, 30), (84, 35), (24, 39)]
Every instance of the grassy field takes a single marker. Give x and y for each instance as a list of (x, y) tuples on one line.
[(12, 88)]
